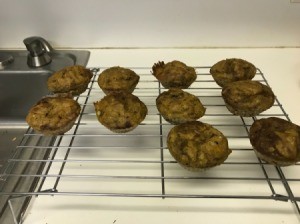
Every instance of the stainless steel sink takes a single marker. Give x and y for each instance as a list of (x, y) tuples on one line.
[(21, 86)]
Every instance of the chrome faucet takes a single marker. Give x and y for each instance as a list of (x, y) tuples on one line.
[(39, 50)]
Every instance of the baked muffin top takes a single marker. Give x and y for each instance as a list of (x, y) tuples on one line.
[(72, 79), (121, 111), (231, 70), (52, 115), (276, 140), (247, 98), (178, 106), (196, 145), (174, 74), (116, 79)]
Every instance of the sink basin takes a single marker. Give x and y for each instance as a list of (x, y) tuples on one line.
[(28, 88)]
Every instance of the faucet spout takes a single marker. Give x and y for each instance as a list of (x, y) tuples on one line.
[(39, 50)]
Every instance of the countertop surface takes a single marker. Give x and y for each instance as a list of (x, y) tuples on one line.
[(280, 67)]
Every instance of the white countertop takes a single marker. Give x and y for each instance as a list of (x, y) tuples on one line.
[(281, 68)]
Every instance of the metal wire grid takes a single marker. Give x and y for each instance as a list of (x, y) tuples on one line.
[(90, 160)]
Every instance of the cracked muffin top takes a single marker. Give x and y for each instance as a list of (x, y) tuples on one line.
[(247, 98), (196, 145), (120, 112), (116, 79), (53, 115), (71, 79), (231, 70), (174, 74), (276, 141), (177, 106)]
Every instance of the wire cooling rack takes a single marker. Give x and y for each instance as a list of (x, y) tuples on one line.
[(90, 160)]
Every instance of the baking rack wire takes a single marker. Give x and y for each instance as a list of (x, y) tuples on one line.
[(154, 89)]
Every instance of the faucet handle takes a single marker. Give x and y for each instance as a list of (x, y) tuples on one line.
[(38, 49), (37, 45), (34, 47)]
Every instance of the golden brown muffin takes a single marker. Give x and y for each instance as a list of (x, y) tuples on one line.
[(276, 141), (53, 115), (72, 79), (174, 74), (231, 70), (196, 145), (177, 106), (120, 112), (116, 79), (247, 98)]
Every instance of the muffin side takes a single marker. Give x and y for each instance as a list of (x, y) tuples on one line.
[(174, 74), (120, 111), (232, 70), (247, 98), (276, 141), (177, 106), (196, 145), (53, 115)]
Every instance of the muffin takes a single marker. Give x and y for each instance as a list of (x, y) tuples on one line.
[(247, 98), (177, 106), (53, 115), (276, 141), (231, 70), (120, 112), (73, 79), (174, 74), (116, 79), (196, 145)]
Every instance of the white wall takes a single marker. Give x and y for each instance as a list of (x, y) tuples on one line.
[(151, 23)]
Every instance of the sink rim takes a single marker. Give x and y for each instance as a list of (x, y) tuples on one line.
[(80, 57)]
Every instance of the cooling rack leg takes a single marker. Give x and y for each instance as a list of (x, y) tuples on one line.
[(162, 159), (287, 188), (161, 151), (12, 212)]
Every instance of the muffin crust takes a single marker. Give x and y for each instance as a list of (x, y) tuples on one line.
[(120, 112), (177, 106), (196, 145), (174, 74), (247, 98), (231, 70), (53, 115), (276, 141)]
